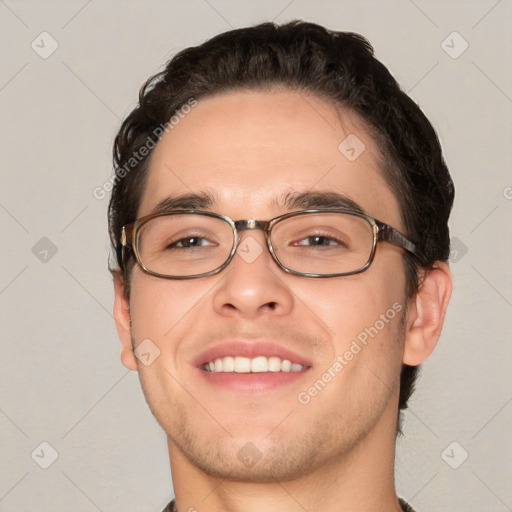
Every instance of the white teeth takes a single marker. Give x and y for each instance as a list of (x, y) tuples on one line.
[(242, 365), (286, 366), (260, 364), (274, 364), (228, 364)]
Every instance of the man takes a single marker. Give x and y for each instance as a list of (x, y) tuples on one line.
[(279, 216)]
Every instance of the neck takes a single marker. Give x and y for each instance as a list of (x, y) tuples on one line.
[(360, 480)]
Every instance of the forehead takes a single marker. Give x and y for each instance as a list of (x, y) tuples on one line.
[(250, 150)]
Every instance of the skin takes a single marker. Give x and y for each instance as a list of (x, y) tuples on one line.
[(249, 148)]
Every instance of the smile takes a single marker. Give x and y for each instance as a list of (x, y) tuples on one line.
[(260, 364)]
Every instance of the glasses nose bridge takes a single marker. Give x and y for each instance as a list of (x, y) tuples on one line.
[(246, 225), (252, 225)]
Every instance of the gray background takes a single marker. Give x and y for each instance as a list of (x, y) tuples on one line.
[(61, 381)]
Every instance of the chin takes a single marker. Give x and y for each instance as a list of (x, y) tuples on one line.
[(269, 459)]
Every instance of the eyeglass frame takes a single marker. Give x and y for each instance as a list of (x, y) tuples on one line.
[(382, 232)]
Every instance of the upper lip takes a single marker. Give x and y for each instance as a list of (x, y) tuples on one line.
[(250, 349)]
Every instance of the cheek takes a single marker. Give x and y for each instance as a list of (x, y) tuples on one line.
[(161, 312), (364, 314), (349, 305), (159, 306), (368, 337)]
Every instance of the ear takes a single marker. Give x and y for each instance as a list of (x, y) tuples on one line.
[(123, 325), (426, 314)]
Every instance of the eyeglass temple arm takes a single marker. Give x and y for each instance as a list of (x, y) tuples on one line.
[(126, 235), (391, 235), (126, 241)]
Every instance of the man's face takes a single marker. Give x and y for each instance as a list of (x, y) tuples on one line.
[(249, 150)]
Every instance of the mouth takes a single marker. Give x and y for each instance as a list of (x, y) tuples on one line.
[(248, 366), (260, 364)]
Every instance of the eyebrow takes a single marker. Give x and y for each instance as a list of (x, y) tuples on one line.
[(289, 201), (318, 200), (199, 201)]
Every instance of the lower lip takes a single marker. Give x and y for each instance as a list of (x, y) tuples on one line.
[(251, 382)]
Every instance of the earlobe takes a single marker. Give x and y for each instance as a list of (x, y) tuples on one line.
[(426, 314), (123, 324)]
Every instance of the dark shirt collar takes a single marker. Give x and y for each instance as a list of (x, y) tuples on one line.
[(405, 507)]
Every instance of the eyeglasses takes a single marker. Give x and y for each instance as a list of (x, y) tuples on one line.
[(187, 244)]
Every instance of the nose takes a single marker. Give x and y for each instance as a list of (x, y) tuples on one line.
[(253, 284)]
